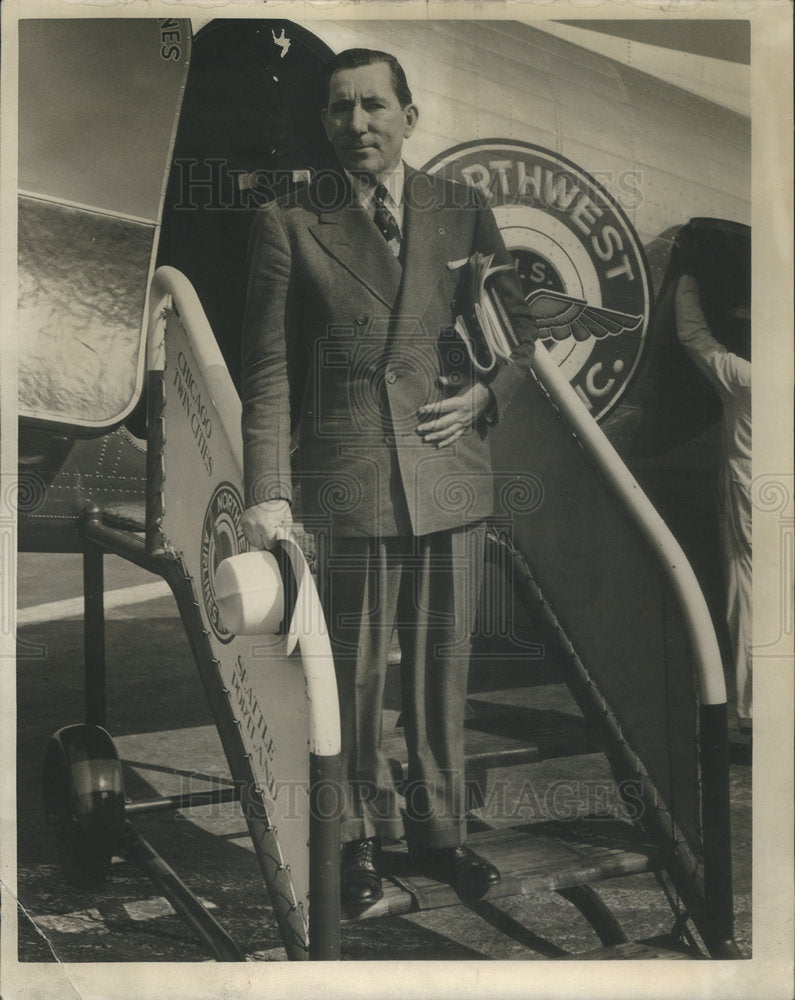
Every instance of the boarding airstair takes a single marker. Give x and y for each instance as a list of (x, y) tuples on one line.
[(616, 609)]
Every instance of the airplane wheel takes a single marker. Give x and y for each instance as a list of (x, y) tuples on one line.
[(84, 802)]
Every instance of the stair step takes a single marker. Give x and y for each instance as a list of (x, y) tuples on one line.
[(540, 857)]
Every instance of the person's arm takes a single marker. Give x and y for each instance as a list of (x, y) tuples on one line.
[(727, 372), (264, 385)]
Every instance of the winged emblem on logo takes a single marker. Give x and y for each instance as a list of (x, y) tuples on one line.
[(561, 316), (486, 330)]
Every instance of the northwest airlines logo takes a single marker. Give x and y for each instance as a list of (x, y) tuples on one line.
[(222, 537), (579, 260)]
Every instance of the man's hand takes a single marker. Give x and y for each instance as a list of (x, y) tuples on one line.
[(444, 422), (262, 522)]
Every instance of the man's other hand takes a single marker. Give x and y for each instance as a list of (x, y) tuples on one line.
[(445, 422), (263, 522)]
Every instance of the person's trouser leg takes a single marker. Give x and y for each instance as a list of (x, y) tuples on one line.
[(360, 580), (440, 588), (735, 525)]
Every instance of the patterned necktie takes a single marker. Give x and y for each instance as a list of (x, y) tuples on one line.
[(385, 221)]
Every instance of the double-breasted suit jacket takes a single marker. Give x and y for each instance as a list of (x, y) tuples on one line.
[(342, 343)]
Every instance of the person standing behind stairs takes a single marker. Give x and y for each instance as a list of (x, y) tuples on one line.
[(729, 373)]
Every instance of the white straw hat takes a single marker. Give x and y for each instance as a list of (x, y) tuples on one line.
[(249, 592)]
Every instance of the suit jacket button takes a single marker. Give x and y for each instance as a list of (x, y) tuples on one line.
[(391, 378), (389, 439), (362, 319)]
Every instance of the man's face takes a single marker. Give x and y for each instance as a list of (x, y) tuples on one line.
[(364, 120)]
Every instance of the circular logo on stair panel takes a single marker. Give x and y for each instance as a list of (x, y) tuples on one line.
[(581, 264), (222, 536)]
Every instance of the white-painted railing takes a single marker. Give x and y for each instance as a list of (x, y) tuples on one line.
[(171, 287)]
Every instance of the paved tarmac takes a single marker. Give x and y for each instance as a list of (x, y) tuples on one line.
[(159, 719)]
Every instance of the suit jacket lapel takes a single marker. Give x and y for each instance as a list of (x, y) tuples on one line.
[(347, 232), (426, 224)]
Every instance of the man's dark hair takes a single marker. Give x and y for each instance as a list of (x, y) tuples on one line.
[(353, 58)]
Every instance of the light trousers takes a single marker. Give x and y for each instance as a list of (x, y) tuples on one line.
[(735, 536)]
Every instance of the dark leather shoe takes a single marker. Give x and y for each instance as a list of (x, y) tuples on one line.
[(360, 883), (468, 873)]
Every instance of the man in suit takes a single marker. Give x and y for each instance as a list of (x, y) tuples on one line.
[(354, 286)]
